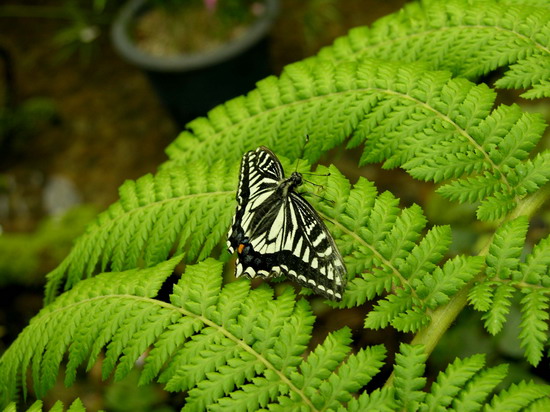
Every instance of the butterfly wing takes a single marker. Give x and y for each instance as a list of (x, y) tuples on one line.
[(319, 265), (260, 174)]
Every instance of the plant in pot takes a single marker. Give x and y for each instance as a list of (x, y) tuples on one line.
[(196, 53)]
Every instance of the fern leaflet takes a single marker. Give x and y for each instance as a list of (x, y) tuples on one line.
[(505, 276), (187, 209), (388, 254), (76, 406), (451, 35)]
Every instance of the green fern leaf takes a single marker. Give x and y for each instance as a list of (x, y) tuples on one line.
[(440, 129), (37, 406), (534, 324), (533, 72), (496, 316), (324, 359), (11, 407), (505, 250), (49, 335), (481, 296), (540, 405), (389, 253), (188, 209), (531, 175), (450, 35), (518, 397), (382, 400), (465, 385), (202, 341), (437, 288), (503, 262), (356, 372), (471, 398), (408, 382), (507, 275), (535, 269), (450, 382)]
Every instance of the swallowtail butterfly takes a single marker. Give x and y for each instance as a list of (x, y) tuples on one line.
[(276, 231)]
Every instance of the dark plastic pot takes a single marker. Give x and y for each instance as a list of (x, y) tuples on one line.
[(191, 84)]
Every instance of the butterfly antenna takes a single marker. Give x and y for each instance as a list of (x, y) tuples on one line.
[(315, 174), (303, 152), (316, 195), (316, 185)]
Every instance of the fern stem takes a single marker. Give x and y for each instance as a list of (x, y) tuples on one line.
[(529, 205), (444, 316)]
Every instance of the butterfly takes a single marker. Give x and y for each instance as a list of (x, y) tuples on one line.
[(275, 231)]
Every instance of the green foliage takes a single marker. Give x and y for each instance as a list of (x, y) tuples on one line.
[(506, 276), (44, 248), (188, 209), (76, 406), (226, 345), (229, 347), (388, 253), (468, 41), (436, 127)]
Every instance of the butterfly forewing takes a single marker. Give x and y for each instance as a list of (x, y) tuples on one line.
[(276, 231)]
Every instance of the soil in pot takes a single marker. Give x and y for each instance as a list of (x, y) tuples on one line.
[(191, 26)]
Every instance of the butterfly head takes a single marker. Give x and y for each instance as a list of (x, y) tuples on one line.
[(295, 179)]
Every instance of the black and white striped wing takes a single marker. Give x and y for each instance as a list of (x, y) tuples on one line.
[(276, 231), (321, 265), (260, 174)]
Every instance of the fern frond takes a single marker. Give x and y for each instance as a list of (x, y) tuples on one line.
[(37, 406), (473, 395), (386, 245), (408, 382), (532, 72), (186, 209), (435, 127), (228, 347), (505, 250), (450, 382), (506, 276), (386, 252), (534, 324), (496, 316), (465, 385), (451, 35), (518, 397), (534, 271), (382, 400), (119, 299)]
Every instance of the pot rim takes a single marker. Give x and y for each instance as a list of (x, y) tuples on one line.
[(191, 61)]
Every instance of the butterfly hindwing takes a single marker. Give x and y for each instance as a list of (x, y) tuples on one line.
[(276, 231)]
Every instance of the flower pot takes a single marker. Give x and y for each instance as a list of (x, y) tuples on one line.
[(191, 84)]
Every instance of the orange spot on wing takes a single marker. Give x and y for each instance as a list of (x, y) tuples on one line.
[(240, 248)]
